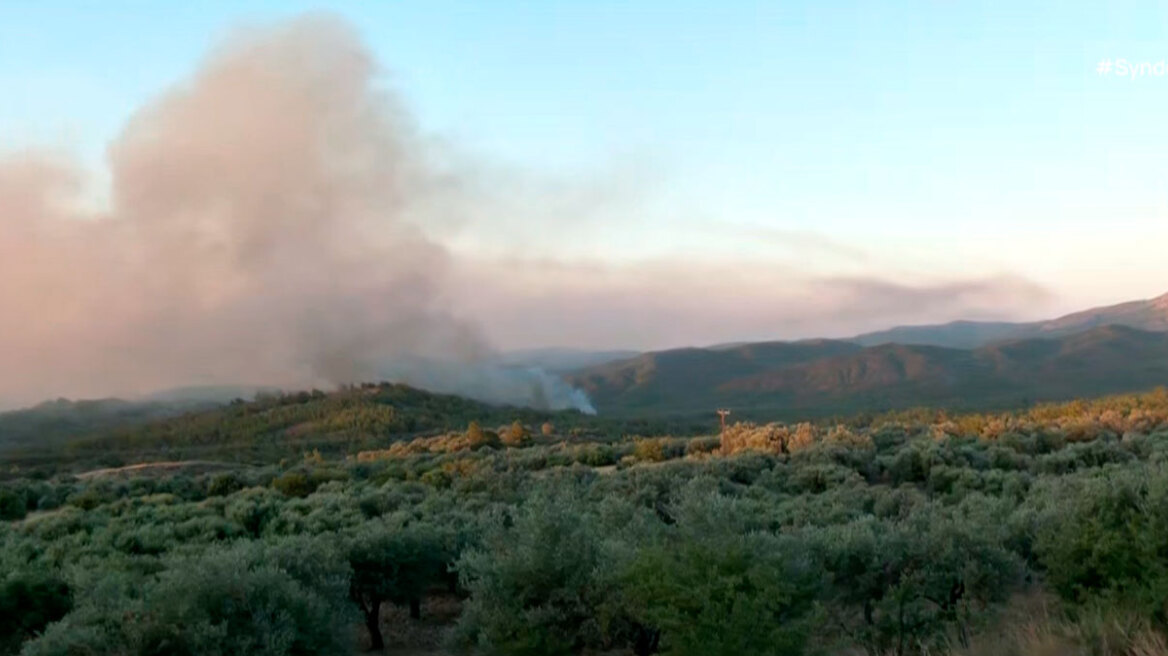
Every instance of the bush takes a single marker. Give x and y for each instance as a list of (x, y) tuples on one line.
[(649, 450), (90, 498), (477, 438), (721, 596), (13, 505), (516, 435), (596, 455), (1107, 536), (702, 446), (231, 603), (29, 602), (299, 484), (900, 587), (253, 509), (531, 585), (223, 485)]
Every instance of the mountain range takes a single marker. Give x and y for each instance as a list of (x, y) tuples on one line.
[(966, 364), (1151, 314), (961, 365)]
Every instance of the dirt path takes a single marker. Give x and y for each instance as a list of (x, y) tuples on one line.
[(147, 466)]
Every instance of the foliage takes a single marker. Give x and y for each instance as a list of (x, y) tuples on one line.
[(235, 602), (13, 505), (904, 534), (516, 434), (722, 595), (1108, 535), (531, 586), (29, 602), (271, 427), (394, 564)]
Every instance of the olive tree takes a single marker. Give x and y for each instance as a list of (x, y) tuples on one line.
[(394, 564)]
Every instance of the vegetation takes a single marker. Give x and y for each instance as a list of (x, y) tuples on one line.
[(820, 378), (374, 418), (1038, 531)]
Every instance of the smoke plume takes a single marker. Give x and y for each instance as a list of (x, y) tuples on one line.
[(267, 223)]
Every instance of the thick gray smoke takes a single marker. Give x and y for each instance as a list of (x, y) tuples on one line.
[(267, 224)]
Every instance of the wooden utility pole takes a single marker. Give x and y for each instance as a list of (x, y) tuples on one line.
[(722, 414)]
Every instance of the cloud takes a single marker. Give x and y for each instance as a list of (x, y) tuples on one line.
[(806, 243)]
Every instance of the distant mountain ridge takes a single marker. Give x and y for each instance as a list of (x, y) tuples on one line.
[(968, 364), (1150, 315), (682, 378), (838, 377), (51, 420)]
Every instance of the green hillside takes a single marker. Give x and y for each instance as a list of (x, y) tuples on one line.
[(829, 377), (925, 533), (352, 419), (47, 424)]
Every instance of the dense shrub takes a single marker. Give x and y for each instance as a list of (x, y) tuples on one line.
[(1107, 535), (30, 600), (532, 584), (237, 602), (720, 595), (891, 535)]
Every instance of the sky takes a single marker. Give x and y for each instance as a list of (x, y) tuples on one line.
[(665, 173)]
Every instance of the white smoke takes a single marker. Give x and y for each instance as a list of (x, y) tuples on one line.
[(267, 224)]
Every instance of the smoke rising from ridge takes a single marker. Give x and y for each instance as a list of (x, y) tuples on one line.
[(266, 224), (278, 220)]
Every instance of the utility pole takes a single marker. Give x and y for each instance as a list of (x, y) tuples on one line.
[(722, 414)]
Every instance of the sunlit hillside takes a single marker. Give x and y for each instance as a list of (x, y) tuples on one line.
[(919, 532)]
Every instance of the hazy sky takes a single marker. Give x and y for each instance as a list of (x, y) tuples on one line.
[(681, 172)]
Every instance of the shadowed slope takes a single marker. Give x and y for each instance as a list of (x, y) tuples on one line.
[(677, 379), (830, 377)]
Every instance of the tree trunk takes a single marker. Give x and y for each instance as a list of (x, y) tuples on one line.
[(900, 627), (646, 642), (415, 609), (373, 623)]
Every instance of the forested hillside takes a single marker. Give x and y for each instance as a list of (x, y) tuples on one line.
[(823, 378), (685, 380), (1034, 532), (274, 426), (48, 423)]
